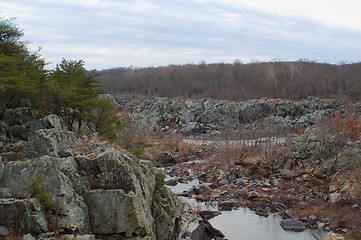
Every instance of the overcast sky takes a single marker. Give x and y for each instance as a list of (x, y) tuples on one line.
[(116, 33)]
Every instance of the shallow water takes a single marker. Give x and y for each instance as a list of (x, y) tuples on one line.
[(236, 143), (244, 224), (180, 187)]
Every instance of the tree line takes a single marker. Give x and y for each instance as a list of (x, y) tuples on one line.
[(239, 81), (69, 90)]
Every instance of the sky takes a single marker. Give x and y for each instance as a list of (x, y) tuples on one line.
[(122, 33)]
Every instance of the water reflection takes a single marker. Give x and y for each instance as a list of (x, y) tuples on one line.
[(180, 187), (243, 224)]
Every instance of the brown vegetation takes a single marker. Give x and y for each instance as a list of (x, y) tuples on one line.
[(238, 81)]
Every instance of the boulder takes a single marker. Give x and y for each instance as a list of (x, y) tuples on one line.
[(166, 212), (17, 122), (209, 214), (290, 109), (48, 122), (118, 212), (225, 206), (115, 170), (4, 231), (192, 128), (26, 215), (293, 225), (334, 197), (28, 237), (253, 110), (128, 185), (51, 142), (205, 231), (172, 182), (44, 172)]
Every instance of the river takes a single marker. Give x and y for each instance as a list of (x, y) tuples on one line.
[(244, 224)]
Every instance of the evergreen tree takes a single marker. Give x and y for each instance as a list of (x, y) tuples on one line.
[(69, 90), (22, 74), (73, 92)]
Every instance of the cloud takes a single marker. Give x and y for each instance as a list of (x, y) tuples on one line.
[(344, 13), (109, 33)]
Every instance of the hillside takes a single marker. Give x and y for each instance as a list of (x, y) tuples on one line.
[(237, 81)]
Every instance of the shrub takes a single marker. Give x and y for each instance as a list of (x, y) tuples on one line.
[(35, 190), (352, 128), (159, 178), (138, 149)]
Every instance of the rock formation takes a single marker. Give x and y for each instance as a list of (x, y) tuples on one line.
[(53, 181), (210, 115)]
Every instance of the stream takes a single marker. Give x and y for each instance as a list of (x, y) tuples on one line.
[(244, 224)]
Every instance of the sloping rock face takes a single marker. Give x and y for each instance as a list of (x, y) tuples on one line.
[(209, 115), (61, 183)]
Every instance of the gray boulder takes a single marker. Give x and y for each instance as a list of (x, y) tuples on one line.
[(253, 110), (27, 215), (51, 142), (166, 210), (205, 231), (293, 225), (4, 231), (290, 109), (44, 172), (48, 122), (118, 212), (191, 128), (28, 237)]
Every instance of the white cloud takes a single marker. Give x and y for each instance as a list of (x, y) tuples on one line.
[(344, 13), (111, 33)]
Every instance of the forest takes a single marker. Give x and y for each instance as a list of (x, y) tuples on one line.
[(239, 81)]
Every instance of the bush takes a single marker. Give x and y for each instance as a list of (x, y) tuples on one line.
[(138, 149), (39, 192), (159, 178)]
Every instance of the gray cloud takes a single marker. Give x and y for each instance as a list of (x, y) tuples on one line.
[(143, 33)]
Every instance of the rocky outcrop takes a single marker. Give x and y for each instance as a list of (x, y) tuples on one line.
[(166, 211), (190, 116), (81, 186), (209, 115)]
